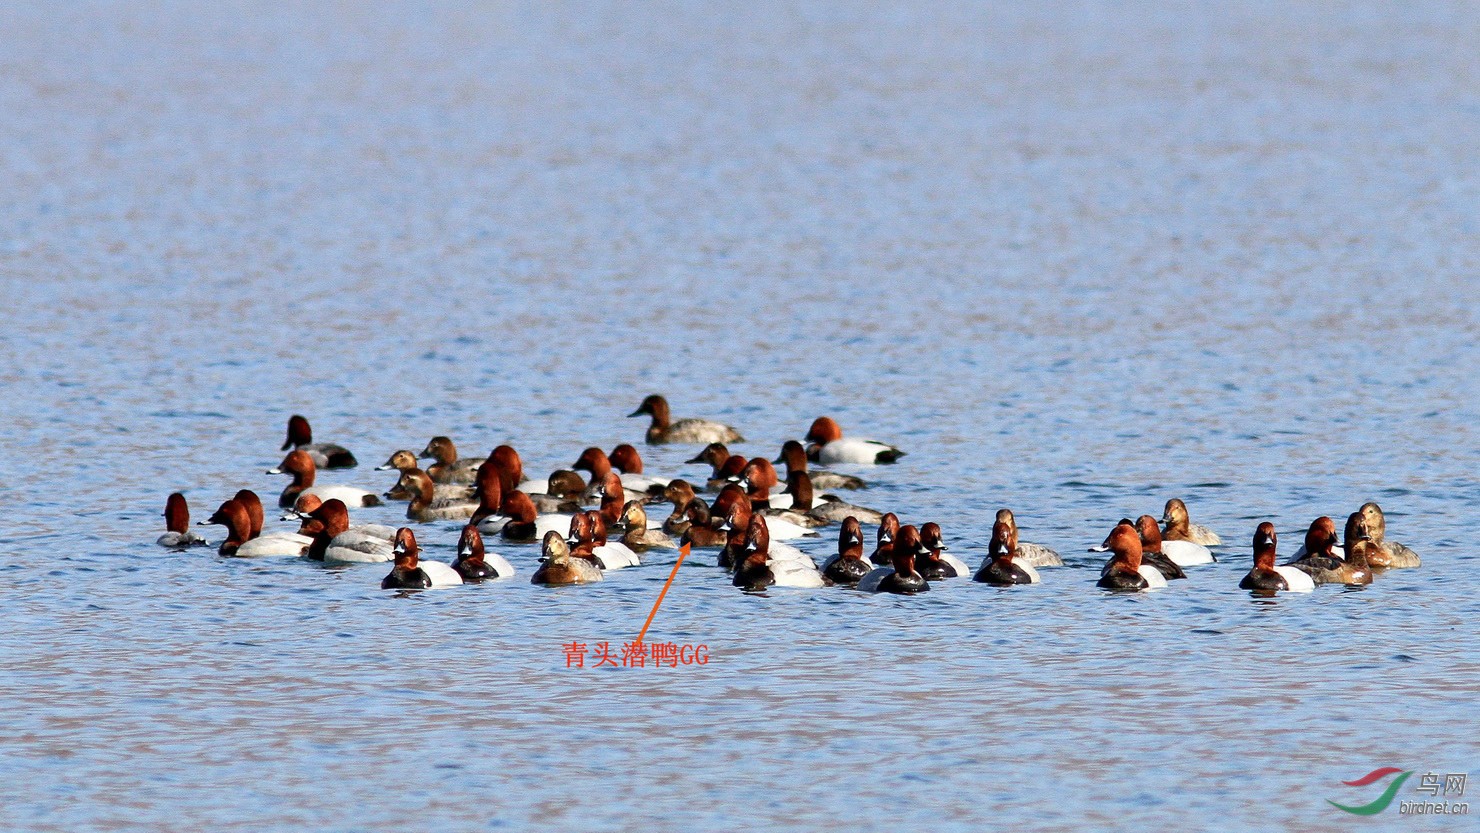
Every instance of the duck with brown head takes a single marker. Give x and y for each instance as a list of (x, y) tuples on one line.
[(324, 455), (404, 461), (900, 577), (1179, 526), (1266, 578), (935, 563), (847, 567), (426, 506), (474, 563), (1126, 572), (239, 541), (829, 446), (177, 524), (758, 568), (827, 508), (1389, 555), (1001, 568), (448, 467), (609, 555), (794, 455), (1324, 560), (665, 430), (1033, 555), (1151, 554), (883, 555), (301, 466)]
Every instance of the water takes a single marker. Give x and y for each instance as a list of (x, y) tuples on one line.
[(1075, 259)]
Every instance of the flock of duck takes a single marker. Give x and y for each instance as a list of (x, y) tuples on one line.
[(744, 520)]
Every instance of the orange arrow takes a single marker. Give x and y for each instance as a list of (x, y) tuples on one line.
[(683, 552)]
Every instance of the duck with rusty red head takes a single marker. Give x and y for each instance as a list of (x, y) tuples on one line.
[(1125, 571), (1266, 577), (900, 576), (758, 568), (664, 429), (324, 455), (305, 472), (1001, 567)]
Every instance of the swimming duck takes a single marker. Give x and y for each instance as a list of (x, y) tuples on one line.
[(595, 461), (1126, 572), (299, 464), (1389, 554), (474, 563), (847, 567), (1265, 576), (587, 537), (636, 534), (1001, 567), (1179, 527), (324, 455), (901, 577), (934, 562), (373, 540), (795, 458), (519, 521), (758, 478), (411, 572), (1324, 560), (829, 446), (663, 430), (177, 524), (736, 526), (425, 506), (628, 462), (884, 552), (239, 541), (828, 509), (758, 569), (404, 461), (559, 566), (1151, 555), (1034, 555), (686, 506), (449, 468)]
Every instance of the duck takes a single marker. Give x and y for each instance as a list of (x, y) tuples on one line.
[(299, 464), (687, 508), (559, 566), (369, 538), (847, 568), (934, 562), (779, 525), (335, 542), (636, 534), (1179, 527), (724, 466), (519, 521), (1158, 553), (1265, 577), (425, 506), (474, 563), (1389, 555), (1126, 572), (1151, 555), (901, 577), (1360, 549), (1324, 560), (1034, 555), (595, 461), (664, 430), (177, 524), (1002, 566), (449, 468), (411, 572), (794, 456), (758, 478), (829, 509), (253, 504), (404, 461), (735, 524), (829, 446), (758, 570), (883, 555), (588, 537), (239, 541), (324, 455)]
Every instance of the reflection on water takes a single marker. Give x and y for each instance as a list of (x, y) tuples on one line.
[(1073, 261)]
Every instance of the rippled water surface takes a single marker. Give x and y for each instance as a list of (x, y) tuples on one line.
[(1074, 258)]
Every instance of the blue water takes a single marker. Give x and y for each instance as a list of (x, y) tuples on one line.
[(1075, 259)]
